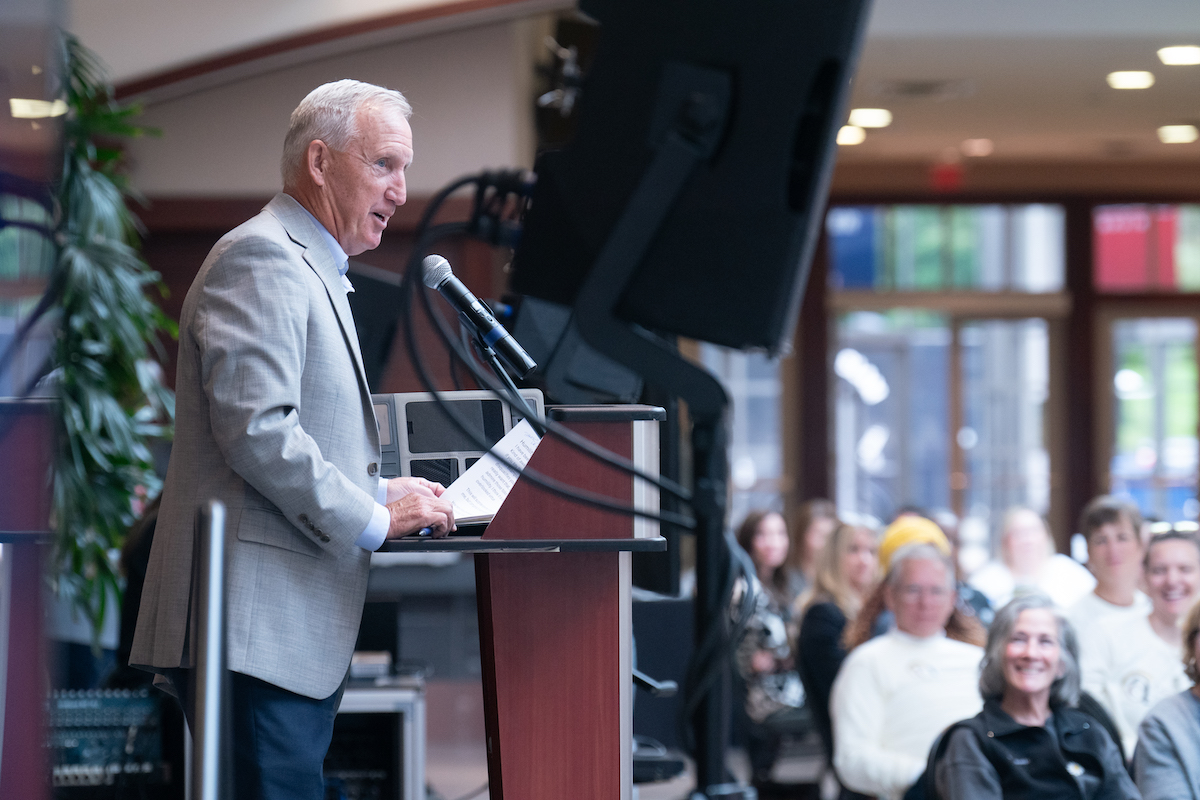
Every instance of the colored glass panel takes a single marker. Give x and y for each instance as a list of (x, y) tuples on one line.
[(1146, 248), (946, 247)]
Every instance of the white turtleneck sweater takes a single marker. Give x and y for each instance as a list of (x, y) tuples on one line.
[(892, 697)]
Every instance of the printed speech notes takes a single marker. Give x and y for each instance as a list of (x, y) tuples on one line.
[(480, 491)]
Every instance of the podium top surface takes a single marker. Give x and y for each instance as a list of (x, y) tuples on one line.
[(477, 544), (606, 413)]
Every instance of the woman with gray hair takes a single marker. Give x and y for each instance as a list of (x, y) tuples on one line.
[(1030, 741)]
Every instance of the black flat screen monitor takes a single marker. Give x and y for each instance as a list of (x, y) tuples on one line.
[(730, 262)]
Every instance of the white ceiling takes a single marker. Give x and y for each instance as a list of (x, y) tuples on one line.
[(1033, 18), (1033, 75), (1033, 70)]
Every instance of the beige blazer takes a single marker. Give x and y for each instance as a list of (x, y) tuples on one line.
[(274, 418)]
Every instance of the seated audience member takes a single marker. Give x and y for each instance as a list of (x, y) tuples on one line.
[(1112, 529), (1029, 741), (971, 601), (774, 694), (874, 619), (1028, 563), (897, 692), (1132, 662), (815, 521), (846, 573), (1166, 763)]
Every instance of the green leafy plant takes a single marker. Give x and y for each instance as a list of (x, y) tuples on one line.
[(113, 403)]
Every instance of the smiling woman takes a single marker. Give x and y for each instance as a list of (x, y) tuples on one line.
[(1029, 741), (1133, 662)]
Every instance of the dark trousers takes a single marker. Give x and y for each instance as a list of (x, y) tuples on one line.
[(279, 738)]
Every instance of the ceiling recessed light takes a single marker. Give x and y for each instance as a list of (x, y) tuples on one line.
[(22, 108), (870, 117), (1178, 134), (977, 148), (851, 134), (1182, 55), (1131, 79)]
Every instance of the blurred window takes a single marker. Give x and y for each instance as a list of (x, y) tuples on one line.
[(1154, 380), (892, 435), (26, 259), (941, 357), (933, 248), (753, 384), (1146, 248)]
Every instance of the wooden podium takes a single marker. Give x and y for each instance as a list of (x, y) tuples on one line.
[(553, 586), (27, 436)]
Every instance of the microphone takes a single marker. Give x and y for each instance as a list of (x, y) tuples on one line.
[(438, 275)]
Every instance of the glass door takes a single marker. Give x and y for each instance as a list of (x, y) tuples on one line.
[(1154, 420), (944, 414)]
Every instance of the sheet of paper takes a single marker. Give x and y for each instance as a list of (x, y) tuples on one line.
[(479, 492)]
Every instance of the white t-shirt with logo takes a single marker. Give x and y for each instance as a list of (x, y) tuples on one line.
[(1128, 669)]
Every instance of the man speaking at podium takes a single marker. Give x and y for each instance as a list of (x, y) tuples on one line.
[(274, 419)]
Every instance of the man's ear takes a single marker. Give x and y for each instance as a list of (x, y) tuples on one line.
[(316, 160), (889, 602)]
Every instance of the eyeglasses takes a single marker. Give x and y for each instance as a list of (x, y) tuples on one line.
[(913, 592)]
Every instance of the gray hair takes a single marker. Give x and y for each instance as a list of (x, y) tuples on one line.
[(919, 551), (330, 113), (1064, 690)]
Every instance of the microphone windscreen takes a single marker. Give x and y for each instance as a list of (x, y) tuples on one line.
[(435, 270)]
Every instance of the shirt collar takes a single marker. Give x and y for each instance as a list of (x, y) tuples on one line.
[(335, 250), (908, 637)]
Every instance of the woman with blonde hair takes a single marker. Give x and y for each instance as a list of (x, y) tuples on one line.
[(846, 572), (815, 521)]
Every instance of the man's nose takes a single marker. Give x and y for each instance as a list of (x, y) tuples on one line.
[(397, 192)]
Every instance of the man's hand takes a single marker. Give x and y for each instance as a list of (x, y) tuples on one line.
[(400, 487), (415, 503)]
